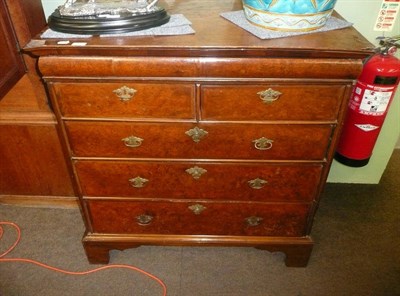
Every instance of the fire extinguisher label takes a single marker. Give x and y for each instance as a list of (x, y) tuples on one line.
[(370, 100), (367, 127), (375, 101)]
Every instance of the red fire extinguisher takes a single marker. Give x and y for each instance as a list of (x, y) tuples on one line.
[(368, 107)]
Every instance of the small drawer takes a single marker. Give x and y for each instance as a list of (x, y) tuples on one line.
[(206, 180), (271, 101), (208, 141), (198, 218), (125, 100)]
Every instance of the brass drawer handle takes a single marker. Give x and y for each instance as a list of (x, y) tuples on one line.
[(197, 208), (253, 221), (263, 143), (125, 93), (269, 95), (144, 219), (257, 183), (132, 141), (196, 134), (138, 182), (196, 172)]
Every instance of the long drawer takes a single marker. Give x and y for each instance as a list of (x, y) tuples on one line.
[(271, 101), (191, 180), (203, 218), (204, 141), (126, 100)]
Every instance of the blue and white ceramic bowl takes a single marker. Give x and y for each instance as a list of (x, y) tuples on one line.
[(289, 15)]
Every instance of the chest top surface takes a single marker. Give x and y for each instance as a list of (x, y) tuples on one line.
[(214, 37)]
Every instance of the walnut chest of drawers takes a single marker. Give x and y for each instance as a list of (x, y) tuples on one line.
[(214, 139)]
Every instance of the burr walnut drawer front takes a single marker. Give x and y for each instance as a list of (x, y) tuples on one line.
[(271, 102), (125, 100), (202, 218), (207, 180), (189, 140)]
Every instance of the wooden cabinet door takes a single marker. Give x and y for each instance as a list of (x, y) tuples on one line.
[(11, 64)]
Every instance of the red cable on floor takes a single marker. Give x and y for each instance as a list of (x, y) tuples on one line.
[(66, 271)]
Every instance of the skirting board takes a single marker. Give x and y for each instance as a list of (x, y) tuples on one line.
[(40, 201)]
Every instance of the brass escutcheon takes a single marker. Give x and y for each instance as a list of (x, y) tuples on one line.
[(197, 208), (253, 221), (144, 219), (132, 141), (138, 182), (257, 183), (196, 172), (125, 93), (196, 134), (269, 95), (263, 143)]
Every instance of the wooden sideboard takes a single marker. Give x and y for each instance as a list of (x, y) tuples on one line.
[(33, 169), (212, 139)]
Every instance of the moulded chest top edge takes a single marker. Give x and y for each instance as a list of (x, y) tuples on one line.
[(49, 47)]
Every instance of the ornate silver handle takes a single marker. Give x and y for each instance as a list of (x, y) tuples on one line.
[(144, 219), (125, 93), (138, 182), (269, 95), (196, 134), (253, 221), (197, 208), (196, 172), (257, 183), (263, 143), (132, 141)]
